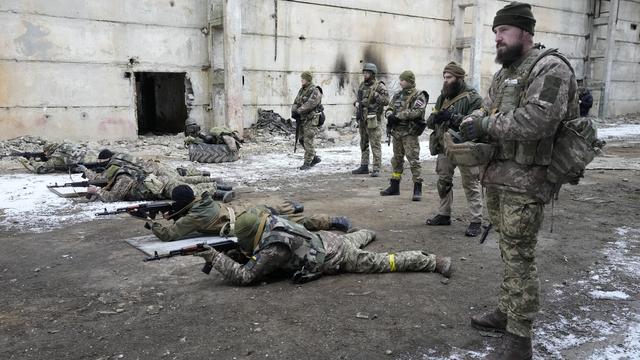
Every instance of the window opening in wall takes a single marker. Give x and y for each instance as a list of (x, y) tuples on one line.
[(160, 102)]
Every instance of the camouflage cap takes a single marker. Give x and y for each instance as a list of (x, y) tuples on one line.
[(408, 75), (307, 76)]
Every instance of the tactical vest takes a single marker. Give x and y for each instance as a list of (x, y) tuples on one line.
[(125, 164), (303, 96), (367, 92), (70, 153), (307, 249), (511, 92)]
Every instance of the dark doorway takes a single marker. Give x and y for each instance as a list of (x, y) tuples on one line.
[(160, 100)]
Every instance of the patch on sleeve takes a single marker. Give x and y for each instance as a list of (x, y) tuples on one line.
[(550, 88), (419, 103)]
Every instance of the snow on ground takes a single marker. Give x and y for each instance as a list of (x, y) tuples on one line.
[(619, 132), (28, 205), (566, 335)]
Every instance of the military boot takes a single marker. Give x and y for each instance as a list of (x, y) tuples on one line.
[(375, 173), (316, 160), (393, 189), (439, 220), (340, 223), (514, 347), (224, 196), (417, 192), (474, 229), (297, 207), (305, 166), (443, 266), (493, 321), (363, 169), (224, 187)]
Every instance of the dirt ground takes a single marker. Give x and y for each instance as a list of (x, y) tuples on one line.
[(81, 292)]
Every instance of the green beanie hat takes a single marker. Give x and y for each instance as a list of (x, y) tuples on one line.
[(454, 69), (307, 76), (516, 14), (407, 75)]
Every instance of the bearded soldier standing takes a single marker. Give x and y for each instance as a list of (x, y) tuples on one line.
[(305, 109), (528, 98), (456, 101), (405, 119), (372, 98)]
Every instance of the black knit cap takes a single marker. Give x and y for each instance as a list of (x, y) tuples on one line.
[(516, 14), (182, 194), (105, 154)]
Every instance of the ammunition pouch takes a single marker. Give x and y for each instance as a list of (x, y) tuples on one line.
[(417, 127), (468, 153)]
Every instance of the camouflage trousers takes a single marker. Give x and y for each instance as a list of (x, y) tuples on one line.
[(409, 146), (518, 217), (313, 222), (345, 254), (199, 184), (445, 169), (44, 167), (370, 137), (308, 134)]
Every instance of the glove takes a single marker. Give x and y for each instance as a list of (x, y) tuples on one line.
[(472, 129), (392, 118), (442, 116), (208, 255), (147, 226)]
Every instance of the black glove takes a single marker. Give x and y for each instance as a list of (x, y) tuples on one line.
[(442, 116), (474, 129)]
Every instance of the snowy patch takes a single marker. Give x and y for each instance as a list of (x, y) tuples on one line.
[(454, 354), (608, 295), (630, 348), (618, 132)]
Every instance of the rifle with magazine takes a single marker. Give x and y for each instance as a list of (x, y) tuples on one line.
[(194, 249), (143, 210), (40, 155), (54, 188), (296, 116)]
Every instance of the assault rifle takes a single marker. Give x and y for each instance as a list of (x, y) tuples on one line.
[(98, 166), (29, 155), (54, 188), (296, 116), (485, 233), (194, 249), (144, 210)]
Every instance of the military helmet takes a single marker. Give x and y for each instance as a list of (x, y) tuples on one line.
[(247, 226), (191, 129), (468, 153), (370, 67)]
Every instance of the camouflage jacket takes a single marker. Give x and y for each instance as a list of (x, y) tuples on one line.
[(307, 101), (59, 159), (460, 106), (524, 113), (372, 97), (408, 105)]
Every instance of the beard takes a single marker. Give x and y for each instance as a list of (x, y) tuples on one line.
[(451, 90), (507, 55)]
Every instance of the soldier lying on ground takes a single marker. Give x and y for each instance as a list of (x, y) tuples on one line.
[(130, 179), (274, 243), (56, 157), (216, 135), (204, 215)]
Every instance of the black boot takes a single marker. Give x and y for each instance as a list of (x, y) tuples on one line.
[(439, 220), (305, 166), (224, 187), (417, 192), (316, 159), (375, 173), (493, 321), (474, 229), (340, 223), (514, 347), (224, 196), (363, 169), (297, 207), (393, 189)]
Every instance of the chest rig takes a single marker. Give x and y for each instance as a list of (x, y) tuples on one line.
[(307, 249), (511, 89)]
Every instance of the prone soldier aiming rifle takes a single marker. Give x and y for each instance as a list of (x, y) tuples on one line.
[(143, 210)]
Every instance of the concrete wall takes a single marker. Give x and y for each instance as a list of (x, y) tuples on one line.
[(63, 63)]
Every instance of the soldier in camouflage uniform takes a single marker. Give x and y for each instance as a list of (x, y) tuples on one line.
[(405, 118), (305, 109), (528, 98), (456, 101), (372, 98), (60, 157), (273, 243), (131, 179), (204, 215)]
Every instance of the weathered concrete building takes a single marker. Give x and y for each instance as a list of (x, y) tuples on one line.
[(113, 69)]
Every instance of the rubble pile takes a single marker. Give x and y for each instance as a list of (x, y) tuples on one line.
[(25, 143), (272, 122)]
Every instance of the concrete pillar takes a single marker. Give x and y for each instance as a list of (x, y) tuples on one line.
[(606, 110), (476, 48), (232, 27)]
